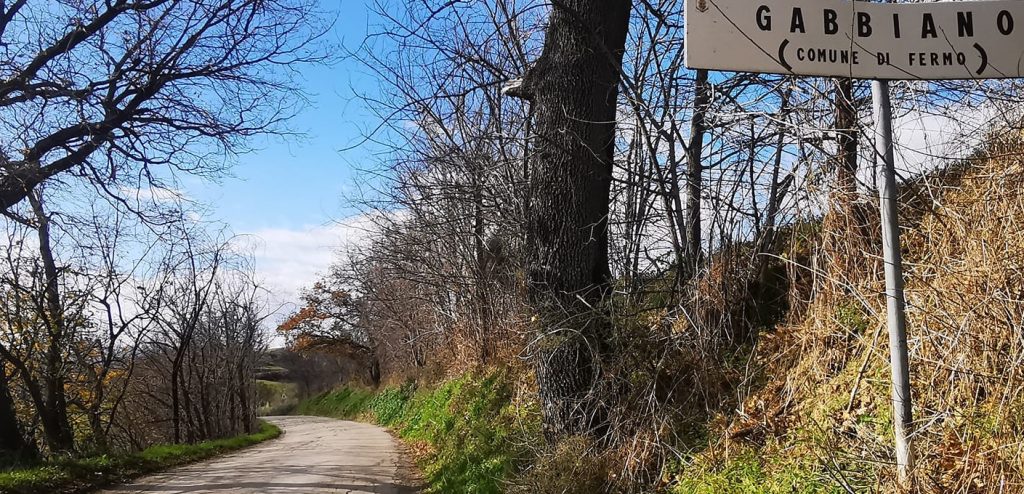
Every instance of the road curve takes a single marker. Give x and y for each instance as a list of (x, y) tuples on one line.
[(314, 456)]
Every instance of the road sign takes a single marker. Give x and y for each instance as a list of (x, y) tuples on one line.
[(863, 40)]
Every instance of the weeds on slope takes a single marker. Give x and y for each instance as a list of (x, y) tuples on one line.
[(827, 406)]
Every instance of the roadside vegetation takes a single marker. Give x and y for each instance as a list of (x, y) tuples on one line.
[(129, 318), (798, 401), (80, 475), (468, 434), (584, 267)]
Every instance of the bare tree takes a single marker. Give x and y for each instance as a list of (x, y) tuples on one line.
[(121, 93), (188, 298)]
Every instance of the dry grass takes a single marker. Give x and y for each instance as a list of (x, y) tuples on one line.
[(828, 393), (706, 397)]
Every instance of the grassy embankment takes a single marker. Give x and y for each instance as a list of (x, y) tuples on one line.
[(474, 435), (468, 434), (84, 474), (814, 411), (822, 420)]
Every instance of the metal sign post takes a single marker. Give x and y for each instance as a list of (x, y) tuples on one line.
[(895, 303), (866, 40)]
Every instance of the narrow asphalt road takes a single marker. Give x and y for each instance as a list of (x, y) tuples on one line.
[(315, 455)]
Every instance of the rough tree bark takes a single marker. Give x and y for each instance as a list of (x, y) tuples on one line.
[(573, 89), (846, 137)]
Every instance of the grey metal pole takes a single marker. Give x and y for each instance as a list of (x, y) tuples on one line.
[(895, 303)]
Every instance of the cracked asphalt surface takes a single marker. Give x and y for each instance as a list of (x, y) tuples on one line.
[(314, 456)]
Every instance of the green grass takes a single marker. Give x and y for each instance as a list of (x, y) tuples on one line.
[(84, 474), (748, 473), (475, 436), (347, 403)]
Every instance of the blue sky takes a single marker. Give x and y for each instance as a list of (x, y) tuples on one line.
[(291, 181), (289, 193)]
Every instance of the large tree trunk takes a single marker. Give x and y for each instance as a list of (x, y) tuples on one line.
[(846, 137), (574, 90)]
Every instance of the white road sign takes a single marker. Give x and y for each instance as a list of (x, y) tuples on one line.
[(863, 40)]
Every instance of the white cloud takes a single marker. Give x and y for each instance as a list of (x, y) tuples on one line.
[(288, 260), (925, 141)]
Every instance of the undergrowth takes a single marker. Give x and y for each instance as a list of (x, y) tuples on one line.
[(750, 472), (823, 421), (85, 474), (804, 406)]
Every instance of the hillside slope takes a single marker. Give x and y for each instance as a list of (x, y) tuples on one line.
[(803, 406), (822, 420)]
